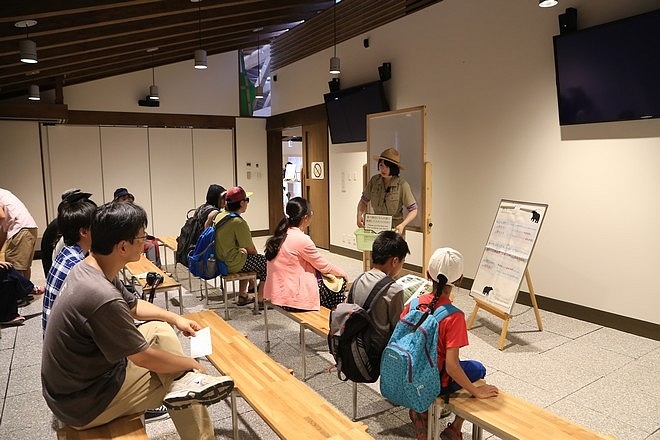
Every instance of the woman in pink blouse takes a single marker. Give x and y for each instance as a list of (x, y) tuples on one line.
[(294, 264)]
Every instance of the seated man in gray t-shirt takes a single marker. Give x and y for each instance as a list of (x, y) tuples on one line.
[(97, 365)]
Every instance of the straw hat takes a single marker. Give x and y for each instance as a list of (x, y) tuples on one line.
[(391, 155), (333, 282)]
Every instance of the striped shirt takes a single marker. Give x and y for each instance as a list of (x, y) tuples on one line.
[(68, 257)]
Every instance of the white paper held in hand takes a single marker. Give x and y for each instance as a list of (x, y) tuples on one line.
[(200, 344)]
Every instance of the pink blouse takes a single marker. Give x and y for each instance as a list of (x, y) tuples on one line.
[(291, 279)]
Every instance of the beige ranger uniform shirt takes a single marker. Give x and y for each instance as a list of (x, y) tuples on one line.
[(391, 200)]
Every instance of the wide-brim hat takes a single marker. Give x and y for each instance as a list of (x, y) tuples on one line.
[(391, 155), (333, 282)]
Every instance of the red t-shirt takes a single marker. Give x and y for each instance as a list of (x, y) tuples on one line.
[(452, 332)]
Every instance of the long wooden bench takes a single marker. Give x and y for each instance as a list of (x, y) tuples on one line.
[(509, 418), (143, 265), (129, 427), (317, 322), (288, 406), (169, 242)]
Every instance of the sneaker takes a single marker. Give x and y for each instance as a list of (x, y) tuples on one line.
[(19, 320), (200, 388), (160, 413)]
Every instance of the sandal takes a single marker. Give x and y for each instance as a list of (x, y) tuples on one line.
[(244, 300), (451, 433)]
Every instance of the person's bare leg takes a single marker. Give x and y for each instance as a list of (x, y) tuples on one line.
[(260, 292)]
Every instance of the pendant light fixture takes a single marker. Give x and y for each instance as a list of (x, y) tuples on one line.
[(27, 47), (259, 89), (33, 93), (547, 3), (153, 88), (200, 54), (334, 61)]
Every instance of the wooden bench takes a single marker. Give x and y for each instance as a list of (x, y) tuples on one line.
[(169, 242), (129, 427), (317, 322), (509, 418), (143, 265), (288, 406)]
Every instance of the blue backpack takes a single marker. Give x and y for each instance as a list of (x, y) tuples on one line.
[(201, 260), (409, 371)]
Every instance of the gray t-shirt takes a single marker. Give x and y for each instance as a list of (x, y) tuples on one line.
[(385, 309), (89, 335)]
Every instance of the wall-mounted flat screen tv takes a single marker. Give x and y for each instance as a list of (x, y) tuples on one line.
[(347, 111), (609, 72)]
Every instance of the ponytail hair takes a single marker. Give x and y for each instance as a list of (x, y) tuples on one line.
[(296, 209), (438, 287)]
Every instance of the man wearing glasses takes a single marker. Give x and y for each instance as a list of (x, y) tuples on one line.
[(97, 365), (234, 245)]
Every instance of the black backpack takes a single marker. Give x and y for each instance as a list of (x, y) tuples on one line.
[(191, 231), (348, 325)]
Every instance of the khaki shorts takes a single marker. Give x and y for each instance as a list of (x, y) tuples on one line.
[(19, 250)]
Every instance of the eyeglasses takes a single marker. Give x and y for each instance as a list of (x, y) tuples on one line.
[(141, 237)]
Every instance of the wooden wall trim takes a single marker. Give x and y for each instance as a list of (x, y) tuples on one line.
[(34, 111), (295, 118), (171, 120), (60, 114)]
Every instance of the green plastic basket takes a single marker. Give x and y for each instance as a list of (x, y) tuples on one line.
[(364, 239)]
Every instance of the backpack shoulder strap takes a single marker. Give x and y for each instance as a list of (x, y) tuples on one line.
[(225, 219), (380, 286), (445, 310)]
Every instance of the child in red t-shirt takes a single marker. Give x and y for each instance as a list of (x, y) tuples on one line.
[(447, 264)]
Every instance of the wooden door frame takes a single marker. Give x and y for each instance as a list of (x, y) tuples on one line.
[(315, 123)]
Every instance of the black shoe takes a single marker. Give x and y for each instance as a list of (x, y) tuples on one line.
[(25, 301), (160, 413)]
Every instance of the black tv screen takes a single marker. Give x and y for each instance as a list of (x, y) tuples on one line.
[(609, 72), (348, 109)]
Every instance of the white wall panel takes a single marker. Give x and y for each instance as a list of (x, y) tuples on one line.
[(170, 157), (125, 156), (20, 166), (251, 164), (74, 159), (213, 160)]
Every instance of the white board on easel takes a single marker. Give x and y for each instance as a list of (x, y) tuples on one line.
[(507, 253), (504, 262)]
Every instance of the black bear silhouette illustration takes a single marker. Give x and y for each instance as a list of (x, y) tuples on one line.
[(535, 217), (487, 290)]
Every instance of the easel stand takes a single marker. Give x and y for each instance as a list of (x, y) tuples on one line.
[(503, 315)]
